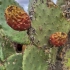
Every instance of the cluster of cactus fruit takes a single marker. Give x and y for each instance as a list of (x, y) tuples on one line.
[(38, 41)]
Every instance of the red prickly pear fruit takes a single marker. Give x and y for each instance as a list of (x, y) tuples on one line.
[(17, 18), (58, 39)]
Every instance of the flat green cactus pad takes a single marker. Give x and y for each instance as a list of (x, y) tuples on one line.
[(35, 59), (15, 36), (6, 46), (46, 21), (14, 62), (67, 59), (7, 49), (1, 53), (2, 67)]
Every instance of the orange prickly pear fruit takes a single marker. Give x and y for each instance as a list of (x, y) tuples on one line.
[(17, 18), (58, 39)]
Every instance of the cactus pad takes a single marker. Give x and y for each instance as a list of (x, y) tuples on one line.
[(45, 23), (14, 62), (35, 59)]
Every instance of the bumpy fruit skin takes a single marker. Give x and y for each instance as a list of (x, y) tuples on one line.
[(58, 39), (17, 18)]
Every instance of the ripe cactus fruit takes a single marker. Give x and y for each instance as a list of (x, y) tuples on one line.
[(15, 36), (17, 18), (58, 39)]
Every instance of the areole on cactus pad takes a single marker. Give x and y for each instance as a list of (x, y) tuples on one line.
[(58, 39), (17, 18)]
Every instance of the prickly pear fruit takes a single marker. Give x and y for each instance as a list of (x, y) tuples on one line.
[(58, 39), (17, 18)]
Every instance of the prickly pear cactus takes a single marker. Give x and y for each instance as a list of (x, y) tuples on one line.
[(14, 62), (16, 36), (46, 23), (6, 46), (46, 29), (6, 49), (49, 20), (34, 58)]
